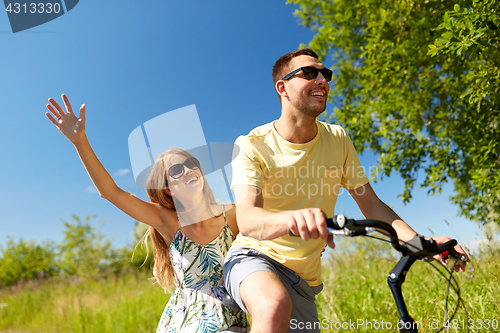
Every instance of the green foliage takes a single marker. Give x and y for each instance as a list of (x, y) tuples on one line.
[(94, 288), (141, 255), (354, 275), (83, 251), (23, 261), (418, 83), (139, 231)]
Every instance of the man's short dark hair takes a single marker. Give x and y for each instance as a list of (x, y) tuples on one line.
[(280, 68)]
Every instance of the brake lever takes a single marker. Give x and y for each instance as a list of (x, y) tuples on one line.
[(359, 231), (460, 259), (428, 248)]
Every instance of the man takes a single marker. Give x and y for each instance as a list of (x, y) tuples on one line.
[(286, 179)]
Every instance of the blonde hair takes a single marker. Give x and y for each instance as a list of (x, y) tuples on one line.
[(155, 185)]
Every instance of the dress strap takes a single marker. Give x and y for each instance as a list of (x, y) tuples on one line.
[(178, 222), (179, 232)]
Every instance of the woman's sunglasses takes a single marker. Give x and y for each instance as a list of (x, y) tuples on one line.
[(310, 72), (176, 171)]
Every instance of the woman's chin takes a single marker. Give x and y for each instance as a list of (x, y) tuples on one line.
[(190, 196)]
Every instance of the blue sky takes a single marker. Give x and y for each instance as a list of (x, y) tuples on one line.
[(131, 61)]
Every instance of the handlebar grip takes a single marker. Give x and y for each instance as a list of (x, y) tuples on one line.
[(446, 247), (337, 222), (290, 233)]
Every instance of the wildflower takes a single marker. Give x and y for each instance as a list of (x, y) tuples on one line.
[(3, 305), (470, 274)]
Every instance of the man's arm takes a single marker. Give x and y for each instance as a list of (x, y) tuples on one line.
[(373, 208), (256, 222)]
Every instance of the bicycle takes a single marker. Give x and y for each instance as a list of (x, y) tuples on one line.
[(418, 248)]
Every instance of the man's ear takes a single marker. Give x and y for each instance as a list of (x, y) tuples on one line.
[(281, 89)]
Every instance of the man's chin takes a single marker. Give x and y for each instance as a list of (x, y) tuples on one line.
[(314, 112)]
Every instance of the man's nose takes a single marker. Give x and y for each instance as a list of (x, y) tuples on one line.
[(320, 80)]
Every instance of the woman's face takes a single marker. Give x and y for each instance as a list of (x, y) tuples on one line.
[(183, 175)]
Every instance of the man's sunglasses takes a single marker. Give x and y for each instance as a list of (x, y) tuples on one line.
[(310, 72), (176, 171)]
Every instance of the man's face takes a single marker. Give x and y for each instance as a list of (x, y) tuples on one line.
[(307, 96)]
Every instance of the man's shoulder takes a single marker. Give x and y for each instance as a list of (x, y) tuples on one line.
[(257, 133), (261, 130), (331, 129)]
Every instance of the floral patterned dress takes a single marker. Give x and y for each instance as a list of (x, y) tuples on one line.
[(196, 303)]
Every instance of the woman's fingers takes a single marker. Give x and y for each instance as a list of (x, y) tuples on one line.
[(57, 107), (54, 112), (82, 111), (58, 112), (66, 103), (54, 121)]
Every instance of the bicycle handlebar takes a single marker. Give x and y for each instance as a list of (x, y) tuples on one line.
[(418, 246)]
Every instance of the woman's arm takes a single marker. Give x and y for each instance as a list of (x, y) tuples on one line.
[(73, 128)]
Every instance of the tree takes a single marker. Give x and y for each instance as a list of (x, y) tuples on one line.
[(83, 251), (23, 261), (418, 83)]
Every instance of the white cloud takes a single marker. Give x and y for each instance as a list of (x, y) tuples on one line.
[(121, 172), (473, 246), (478, 245)]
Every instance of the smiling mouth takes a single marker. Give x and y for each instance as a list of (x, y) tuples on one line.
[(318, 94), (191, 180)]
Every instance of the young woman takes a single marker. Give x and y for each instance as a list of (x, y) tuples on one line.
[(191, 233)]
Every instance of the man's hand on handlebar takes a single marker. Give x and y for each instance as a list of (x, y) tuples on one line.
[(458, 249), (309, 223)]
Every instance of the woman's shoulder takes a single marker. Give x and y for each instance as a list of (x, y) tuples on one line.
[(229, 210), (230, 214), (169, 223)]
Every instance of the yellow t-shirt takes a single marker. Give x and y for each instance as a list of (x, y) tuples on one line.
[(296, 176)]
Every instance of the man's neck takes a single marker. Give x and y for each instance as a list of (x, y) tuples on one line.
[(296, 129)]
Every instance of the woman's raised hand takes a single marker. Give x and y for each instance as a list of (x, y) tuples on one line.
[(66, 121)]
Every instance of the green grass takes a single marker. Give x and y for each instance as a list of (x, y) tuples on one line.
[(355, 289), (130, 304)]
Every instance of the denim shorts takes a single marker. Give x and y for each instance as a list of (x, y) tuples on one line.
[(242, 261)]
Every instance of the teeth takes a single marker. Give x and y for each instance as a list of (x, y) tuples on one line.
[(192, 180), (317, 94)]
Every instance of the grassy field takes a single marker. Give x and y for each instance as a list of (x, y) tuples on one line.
[(356, 291), (356, 296), (129, 304)]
